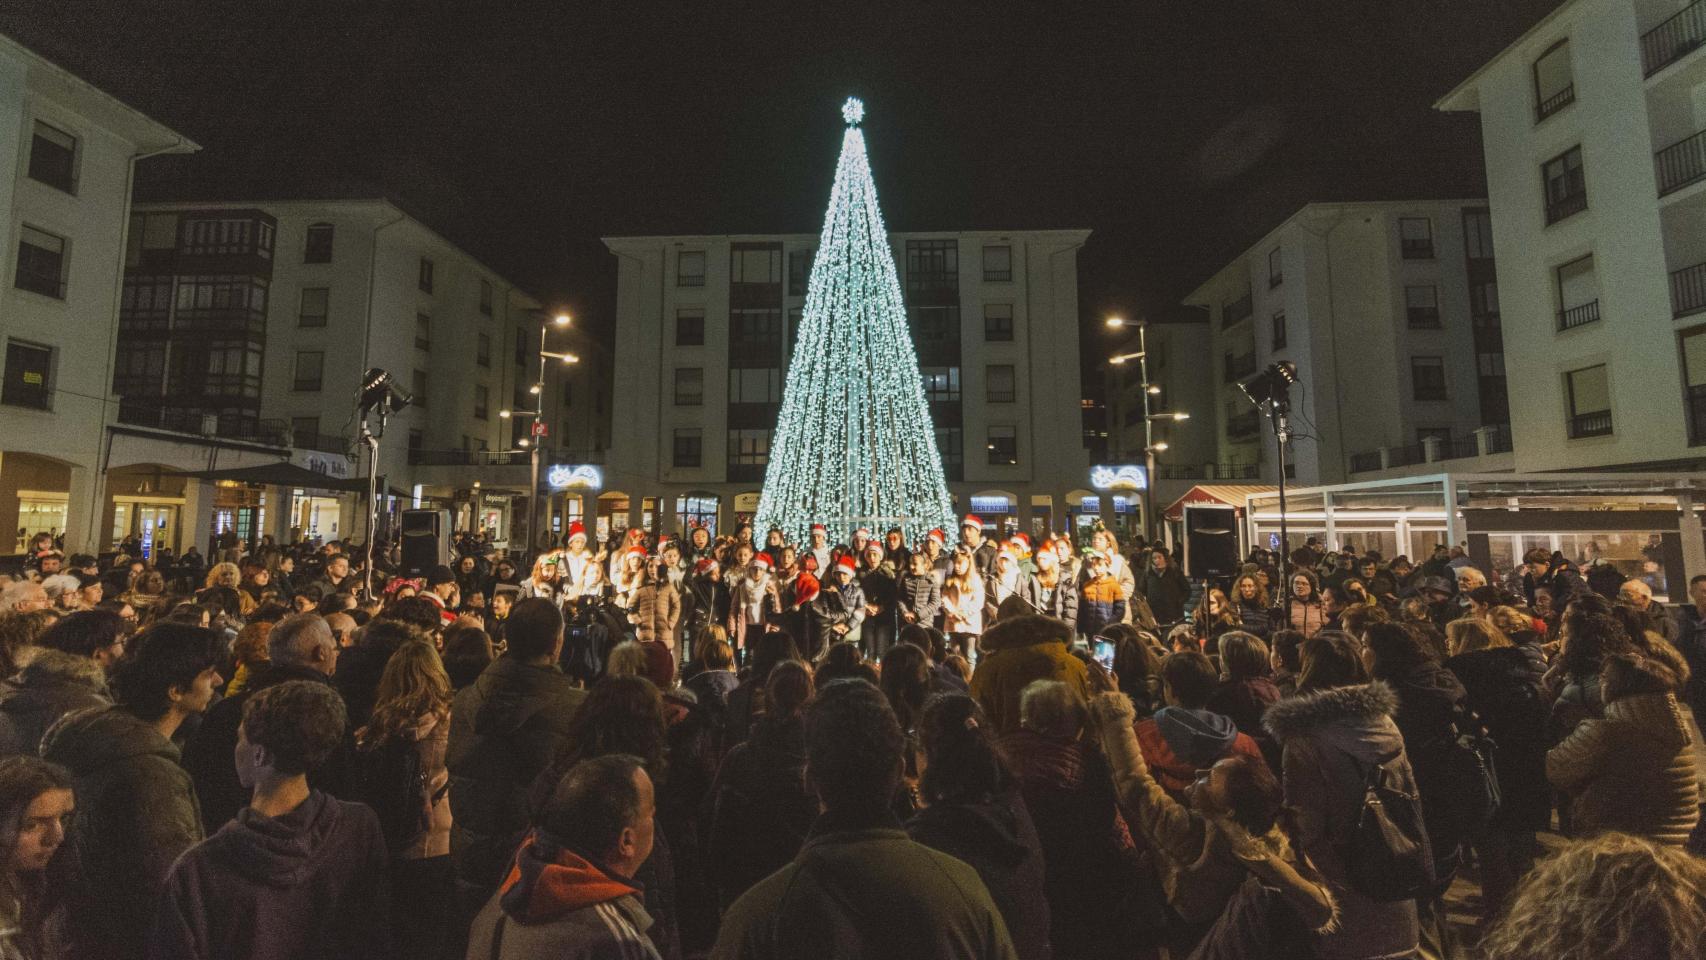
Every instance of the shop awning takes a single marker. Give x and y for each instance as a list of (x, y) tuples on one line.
[(283, 474), (1221, 494)]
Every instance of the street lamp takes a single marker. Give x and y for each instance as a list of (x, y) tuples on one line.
[(531, 443), (1151, 446)]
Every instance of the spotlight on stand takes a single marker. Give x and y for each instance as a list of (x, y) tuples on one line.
[(379, 390), (379, 393), (1272, 388), (1273, 384)]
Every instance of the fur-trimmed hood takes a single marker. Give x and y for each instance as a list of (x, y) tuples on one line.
[(1025, 631), (53, 666), (1360, 707)]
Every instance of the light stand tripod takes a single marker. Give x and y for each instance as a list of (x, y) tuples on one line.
[(1270, 390), (378, 393)]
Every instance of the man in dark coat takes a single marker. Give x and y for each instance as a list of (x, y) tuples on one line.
[(1165, 588), (505, 728), (298, 873), (53, 685)]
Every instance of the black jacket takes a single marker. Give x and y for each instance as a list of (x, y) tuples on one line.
[(998, 840), (53, 685), (208, 753), (504, 729), (1166, 593), (1505, 691), (922, 597), (1431, 703), (833, 605), (760, 810), (136, 812)]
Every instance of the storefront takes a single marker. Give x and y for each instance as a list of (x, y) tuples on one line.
[(696, 510), (40, 511)]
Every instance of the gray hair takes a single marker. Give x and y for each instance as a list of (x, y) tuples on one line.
[(1052, 709), (294, 639)]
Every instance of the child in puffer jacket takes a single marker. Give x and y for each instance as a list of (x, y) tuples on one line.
[(1100, 600)]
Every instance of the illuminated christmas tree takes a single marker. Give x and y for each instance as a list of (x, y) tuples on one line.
[(854, 446)]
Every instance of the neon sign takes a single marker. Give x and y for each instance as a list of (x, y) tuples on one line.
[(564, 476), (1127, 476)]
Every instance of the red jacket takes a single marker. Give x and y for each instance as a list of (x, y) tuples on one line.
[(1174, 773)]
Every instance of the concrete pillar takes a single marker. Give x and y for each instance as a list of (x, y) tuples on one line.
[(352, 519), (280, 517), (196, 524), (1385, 457), (1105, 501), (1023, 513), (1693, 545), (1431, 451), (667, 523), (83, 512)]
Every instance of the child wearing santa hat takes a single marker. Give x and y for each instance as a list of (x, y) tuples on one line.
[(754, 599)]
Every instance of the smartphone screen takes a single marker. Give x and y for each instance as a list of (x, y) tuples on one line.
[(1103, 651)]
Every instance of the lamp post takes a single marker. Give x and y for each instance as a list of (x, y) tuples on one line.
[(532, 441), (1151, 446)]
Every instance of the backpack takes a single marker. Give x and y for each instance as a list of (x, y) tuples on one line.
[(1387, 858), (1460, 765), (388, 777)]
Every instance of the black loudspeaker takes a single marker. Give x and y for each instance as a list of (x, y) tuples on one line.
[(426, 541), (1211, 542)]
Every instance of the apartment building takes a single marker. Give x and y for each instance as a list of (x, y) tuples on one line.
[(1390, 312), (705, 329), (65, 191), (1594, 131)]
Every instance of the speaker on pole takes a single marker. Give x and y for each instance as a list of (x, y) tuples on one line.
[(426, 541), (1211, 541)]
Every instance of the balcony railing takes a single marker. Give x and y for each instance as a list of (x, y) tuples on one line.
[(1458, 448), (1578, 315), (1498, 438), (1688, 290), (1594, 424), (1491, 439), (1681, 163), (193, 421), (1556, 102), (1233, 311), (1210, 471), (1364, 462), (500, 458), (1673, 39), (1239, 366)]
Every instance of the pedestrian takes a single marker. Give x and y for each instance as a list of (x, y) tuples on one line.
[(1100, 599), (1164, 588), (1018, 651), (36, 808), (963, 602)]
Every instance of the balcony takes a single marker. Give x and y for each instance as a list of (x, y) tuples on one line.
[(323, 442), (1243, 426), (1578, 315), (1210, 471), (1555, 102), (471, 458), (1234, 311), (1681, 163), (1488, 440), (195, 421), (1688, 290), (1236, 368), (1593, 424), (1673, 39)]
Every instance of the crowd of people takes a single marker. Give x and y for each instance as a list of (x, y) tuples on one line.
[(958, 745)]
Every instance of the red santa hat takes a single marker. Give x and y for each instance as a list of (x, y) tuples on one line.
[(704, 565), (636, 534), (938, 536), (819, 528), (763, 560), (845, 563), (862, 533), (805, 588), (577, 529), (972, 520), (808, 563), (636, 550)]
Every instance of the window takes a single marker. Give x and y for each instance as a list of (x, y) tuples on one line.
[(689, 386), (935, 324), (483, 350), (1578, 293), (1416, 238), (794, 316), (1693, 380), (53, 157), (755, 264), (749, 448), (998, 322), (1566, 185), (1427, 378), (310, 367), (755, 329), (1421, 307), (482, 401), (932, 265), (424, 280), (418, 386), (416, 442), (1554, 85), (305, 431), (690, 327), (755, 385), (1478, 234), (941, 383), (1003, 445), (1279, 330), (485, 298), (690, 270), (41, 263), (950, 443), (688, 450), (1589, 395), (27, 367), (318, 246), (1002, 383), (1276, 270), (799, 272), (314, 306), (997, 262), (423, 332)]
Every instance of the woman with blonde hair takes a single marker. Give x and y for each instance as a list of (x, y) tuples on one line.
[(228, 575), (146, 593), (412, 708), (962, 602)]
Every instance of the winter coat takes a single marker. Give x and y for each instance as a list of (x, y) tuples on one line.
[(1177, 742), (53, 685), (1330, 739), (703, 602), (1060, 603), (656, 614), (1632, 771), (921, 597), (1304, 616), (208, 752), (1090, 862), (865, 891), (1166, 592), (504, 729), (555, 903), (431, 736), (311, 883), (834, 605), (760, 810), (998, 840), (1016, 652), (1243, 702), (962, 611), (1202, 861), (136, 812), (880, 628), (1253, 618), (1100, 603), (1432, 707), (1504, 690), (1691, 643)]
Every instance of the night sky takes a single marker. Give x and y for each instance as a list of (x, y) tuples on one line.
[(1179, 132)]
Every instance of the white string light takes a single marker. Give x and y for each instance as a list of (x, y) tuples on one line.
[(854, 445)]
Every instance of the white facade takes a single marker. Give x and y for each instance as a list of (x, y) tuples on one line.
[(1596, 172), (65, 189), (996, 330), (1390, 312)]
